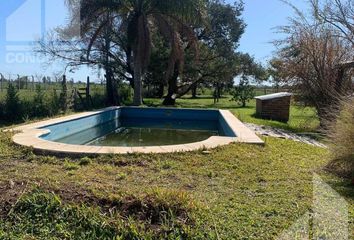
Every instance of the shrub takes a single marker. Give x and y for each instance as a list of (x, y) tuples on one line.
[(98, 100), (39, 108), (12, 104), (63, 99), (77, 103), (125, 93), (341, 134), (243, 93), (2, 112), (54, 101)]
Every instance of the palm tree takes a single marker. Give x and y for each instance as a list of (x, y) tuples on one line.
[(137, 19)]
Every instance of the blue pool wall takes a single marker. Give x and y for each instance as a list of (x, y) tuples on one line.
[(67, 128), (225, 128)]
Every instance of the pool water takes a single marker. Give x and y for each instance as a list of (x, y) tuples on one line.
[(130, 137), (128, 132)]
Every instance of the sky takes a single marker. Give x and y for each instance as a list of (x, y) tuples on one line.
[(24, 21)]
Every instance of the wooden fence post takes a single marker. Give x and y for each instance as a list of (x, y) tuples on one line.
[(88, 87), (64, 96), (1, 82), (88, 93), (32, 83), (18, 82)]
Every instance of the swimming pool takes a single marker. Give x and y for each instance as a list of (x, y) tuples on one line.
[(134, 129)]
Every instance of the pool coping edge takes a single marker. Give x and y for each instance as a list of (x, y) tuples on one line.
[(29, 136)]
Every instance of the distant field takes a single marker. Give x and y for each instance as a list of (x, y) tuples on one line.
[(28, 94)]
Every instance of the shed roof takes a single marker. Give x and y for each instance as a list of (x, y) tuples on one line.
[(273, 96)]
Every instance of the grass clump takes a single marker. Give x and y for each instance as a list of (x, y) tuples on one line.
[(41, 214), (85, 161), (342, 141), (71, 166)]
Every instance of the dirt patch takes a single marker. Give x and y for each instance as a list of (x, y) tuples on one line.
[(343, 168), (10, 192), (150, 209), (283, 134), (146, 208)]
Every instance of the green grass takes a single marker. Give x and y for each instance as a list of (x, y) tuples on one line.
[(302, 119), (234, 192)]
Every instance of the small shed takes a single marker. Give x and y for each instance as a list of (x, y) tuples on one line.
[(274, 106)]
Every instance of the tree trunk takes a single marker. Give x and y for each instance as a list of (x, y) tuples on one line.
[(111, 89), (170, 99), (160, 90), (137, 101), (219, 91), (111, 86), (215, 95), (194, 91)]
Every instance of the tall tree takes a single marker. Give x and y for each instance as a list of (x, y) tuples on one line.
[(137, 18)]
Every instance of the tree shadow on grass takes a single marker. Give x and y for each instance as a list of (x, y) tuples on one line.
[(240, 107)]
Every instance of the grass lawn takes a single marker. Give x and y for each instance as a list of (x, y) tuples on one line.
[(237, 191), (302, 119), (234, 192)]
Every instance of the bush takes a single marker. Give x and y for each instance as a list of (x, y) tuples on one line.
[(341, 134), (63, 99), (77, 103), (2, 112), (125, 93), (243, 93), (54, 101), (98, 100), (12, 109), (39, 108)]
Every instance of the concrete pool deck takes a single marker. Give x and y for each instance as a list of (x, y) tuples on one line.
[(30, 136)]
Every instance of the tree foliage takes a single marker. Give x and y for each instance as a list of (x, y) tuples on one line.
[(137, 20), (153, 45), (218, 60), (337, 13), (309, 60)]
